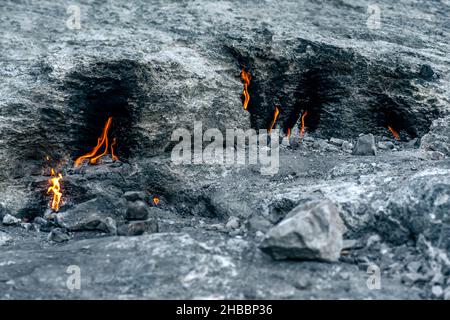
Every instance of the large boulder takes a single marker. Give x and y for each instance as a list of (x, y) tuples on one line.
[(310, 232)]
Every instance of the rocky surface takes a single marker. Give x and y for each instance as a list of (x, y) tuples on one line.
[(155, 67)]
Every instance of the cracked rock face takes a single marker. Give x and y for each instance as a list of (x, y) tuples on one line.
[(155, 67)]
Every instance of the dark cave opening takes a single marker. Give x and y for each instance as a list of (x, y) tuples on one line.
[(103, 90), (343, 93)]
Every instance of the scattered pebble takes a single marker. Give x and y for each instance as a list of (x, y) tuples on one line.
[(437, 291), (233, 223), (9, 220)]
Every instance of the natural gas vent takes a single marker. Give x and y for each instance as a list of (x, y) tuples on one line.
[(337, 92), (106, 92)]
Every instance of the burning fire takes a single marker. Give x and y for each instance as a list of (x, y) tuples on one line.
[(275, 116), (102, 141), (113, 144), (246, 77), (302, 130), (56, 189), (155, 200), (394, 133), (288, 132)]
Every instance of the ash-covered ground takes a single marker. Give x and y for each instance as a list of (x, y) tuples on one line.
[(352, 213)]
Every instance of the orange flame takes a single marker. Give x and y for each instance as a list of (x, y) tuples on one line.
[(155, 200), (103, 140), (246, 77), (275, 116), (394, 133), (113, 144), (302, 130), (56, 189), (288, 132)]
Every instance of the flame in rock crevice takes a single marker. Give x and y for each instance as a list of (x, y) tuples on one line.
[(102, 141), (56, 189), (275, 116), (302, 130), (246, 77), (113, 155), (155, 200), (394, 133)]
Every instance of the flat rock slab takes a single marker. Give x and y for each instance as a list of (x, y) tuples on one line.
[(178, 266), (90, 215)]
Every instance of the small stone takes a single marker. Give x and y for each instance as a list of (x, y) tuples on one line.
[(437, 291), (27, 226), (4, 238), (337, 142), (386, 145), (58, 235), (42, 224), (303, 284), (9, 220), (134, 196), (259, 234), (137, 210), (258, 223), (435, 155), (365, 146), (233, 223), (137, 228), (373, 239), (347, 145)]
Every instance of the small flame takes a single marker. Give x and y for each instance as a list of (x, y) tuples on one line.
[(275, 116), (302, 130), (289, 132), (113, 155), (103, 140), (155, 200), (56, 189), (394, 133), (246, 77)]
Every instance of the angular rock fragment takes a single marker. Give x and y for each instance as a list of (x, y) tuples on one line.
[(337, 142), (232, 223), (9, 220), (90, 215), (386, 145), (134, 196), (310, 232), (365, 146), (58, 235)]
